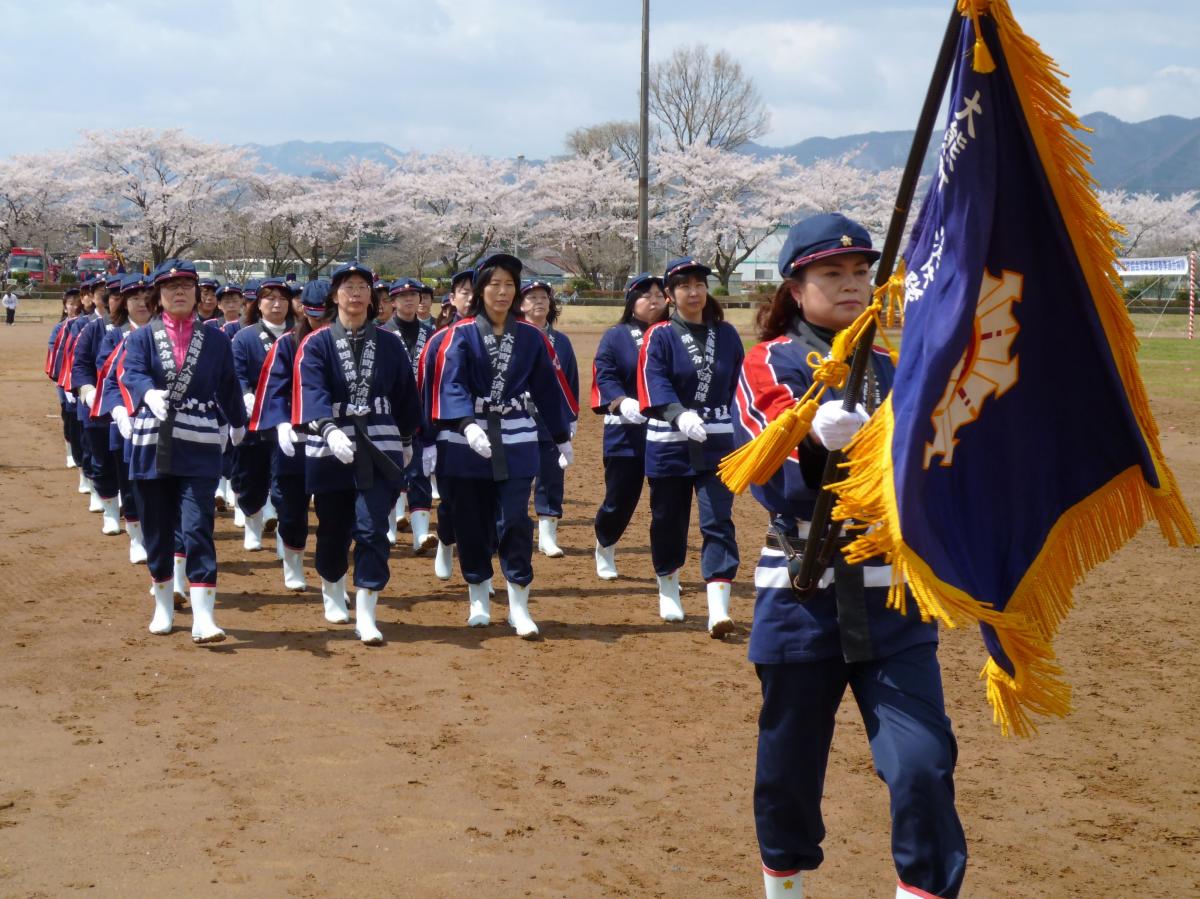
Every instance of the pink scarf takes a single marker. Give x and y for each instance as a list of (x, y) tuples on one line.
[(180, 333)]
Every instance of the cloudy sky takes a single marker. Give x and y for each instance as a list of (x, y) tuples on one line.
[(508, 77)]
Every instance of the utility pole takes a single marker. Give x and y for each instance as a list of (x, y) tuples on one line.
[(644, 148)]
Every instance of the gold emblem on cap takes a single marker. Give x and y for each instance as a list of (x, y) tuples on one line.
[(172, 271), (847, 240)]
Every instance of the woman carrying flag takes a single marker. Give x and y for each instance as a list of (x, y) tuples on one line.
[(541, 310), (178, 384), (486, 367), (808, 649), (354, 390), (687, 374), (614, 395)]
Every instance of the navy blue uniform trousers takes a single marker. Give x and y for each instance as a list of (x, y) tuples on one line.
[(251, 479), (291, 505), (103, 473), (184, 506), (623, 478), (670, 514), (493, 517), (445, 513), (361, 516), (548, 489), (417, 486), (900, 699)]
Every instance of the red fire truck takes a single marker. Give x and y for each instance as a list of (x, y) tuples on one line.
[(28, 260)]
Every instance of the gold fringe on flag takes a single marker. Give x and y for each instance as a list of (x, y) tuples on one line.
[(1094, 528)]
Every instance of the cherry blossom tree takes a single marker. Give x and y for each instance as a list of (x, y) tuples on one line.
[(33, 191), (170, 191), (1155, 226)]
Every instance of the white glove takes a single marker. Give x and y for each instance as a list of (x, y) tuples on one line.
[(406, 453), (692, 425), (629, 410), (156, 402), (566, 454), (340, 446), (86, 393), (428, 460), (120, 416), (287, 438), (477, 439), (833, 426), (248, 401), (573, 429), (237, 435), (70, 397)]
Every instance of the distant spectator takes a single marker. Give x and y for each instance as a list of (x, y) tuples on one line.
[(10, 306)]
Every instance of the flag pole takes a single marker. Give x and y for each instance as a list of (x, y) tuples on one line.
[(822, 536)]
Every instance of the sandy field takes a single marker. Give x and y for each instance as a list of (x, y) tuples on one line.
[(615, 757)]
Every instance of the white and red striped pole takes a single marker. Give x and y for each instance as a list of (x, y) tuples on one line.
[(1192, 295)]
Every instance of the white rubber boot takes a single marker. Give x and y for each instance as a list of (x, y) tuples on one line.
[(518, 612), (491, 589), (239, 517), (254, 531), (85, 486), (230, 496), (904, 891), (548, 538), (333, 595), (401, 511), (423, 539), (112, 517), (137, 542), (391, 530), (719, 622), (181, 581), (782, 884), (669, 606), (433, 487), (606, 562), (95, 504), (293, 570), (219, 496), (164, 608), (480, 609), (270, 516), (279, 547), (443, 561), (364, 617), (70, 457), (204, 628)]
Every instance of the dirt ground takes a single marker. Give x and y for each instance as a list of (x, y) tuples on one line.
[(613, 758)]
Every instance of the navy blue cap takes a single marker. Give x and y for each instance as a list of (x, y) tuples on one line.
[(822, 236), (250, 288), (71, 292), (380, 285), (91, 281), (446, 300), (210, 282), (113, 282), (510, 264), (275, 281), (534, 284), (136, 281), (640, 283), (685, 264), (405, 285), (467, 274), (174, 269), (351, 268), (294, 286), (315, 296), (231, 287), (422, 287)]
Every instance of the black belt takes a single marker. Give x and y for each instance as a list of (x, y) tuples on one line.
[(370, 456)]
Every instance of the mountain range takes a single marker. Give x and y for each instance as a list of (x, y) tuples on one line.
[(1160, 155)]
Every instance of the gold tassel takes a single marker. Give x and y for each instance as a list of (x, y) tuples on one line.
[(982, 61), (757, 461)]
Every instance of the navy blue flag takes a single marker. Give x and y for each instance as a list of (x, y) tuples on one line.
[(1017, 449)]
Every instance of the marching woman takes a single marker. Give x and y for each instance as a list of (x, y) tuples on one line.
[(131, 310), (687, 375), (91, 291), (416, 499), (441, 487), (231, 304), (177, 381), (265, 320), (354, 390), (461, 292), (425, 305), (85, 364), (58, 335), (614, 395), (272, 416), (486, 367), (541, 310), (807, 650), (206, 310)]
